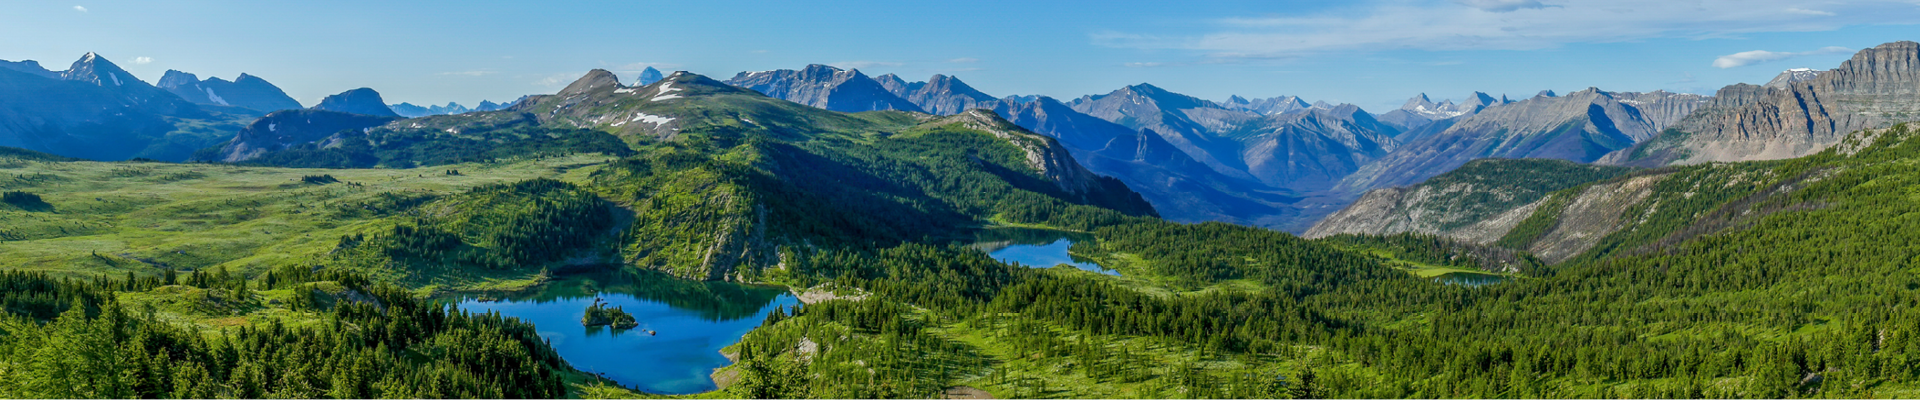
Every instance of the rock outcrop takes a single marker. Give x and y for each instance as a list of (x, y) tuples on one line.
[(1795, 116)]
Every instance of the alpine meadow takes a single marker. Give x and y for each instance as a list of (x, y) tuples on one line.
[(621, 229)]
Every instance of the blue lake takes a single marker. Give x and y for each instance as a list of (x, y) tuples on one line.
[(1037, 248), (691, 322)]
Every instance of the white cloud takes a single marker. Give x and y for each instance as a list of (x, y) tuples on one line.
[(1804, 11), (642, 66), (1143, 64), (1501, 5), (1438, 25), (1746, 58), (864, 64), (79, 8), (142, 60), (964, 60), (556, 80)]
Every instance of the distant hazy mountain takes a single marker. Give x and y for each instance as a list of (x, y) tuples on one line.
[(1799, 113), (824, 87), (96, 110), (246, 91), (30, 67), (649, 76), (1421, 110), (357, 101), (1274, 105), (1580, 127)]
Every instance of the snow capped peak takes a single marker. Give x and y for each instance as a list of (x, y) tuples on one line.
[(1800, 70)]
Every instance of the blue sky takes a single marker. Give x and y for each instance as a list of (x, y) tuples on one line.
[(1372, 53)]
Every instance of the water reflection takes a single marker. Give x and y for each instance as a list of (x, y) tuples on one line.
[(683, 325), (1470, 279), (1037, 248)]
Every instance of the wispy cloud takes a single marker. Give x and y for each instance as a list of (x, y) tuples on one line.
[(142, 60), (864, 64), (1501, 5), (964, 60), (1438, 25), (556, 80), (1144, 64), (1746, 58), (642, 66), (1804, 11), (467, 73), (79, 8)]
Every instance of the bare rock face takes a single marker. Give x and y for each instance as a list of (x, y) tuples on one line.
[(1876, 88), (824, 87)]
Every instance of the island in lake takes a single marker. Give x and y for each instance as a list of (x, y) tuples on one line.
[(603, 314)]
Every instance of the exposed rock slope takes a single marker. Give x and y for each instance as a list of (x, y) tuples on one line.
[(1793, 117)]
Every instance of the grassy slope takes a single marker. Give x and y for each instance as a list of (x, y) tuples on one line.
[(142, 217)]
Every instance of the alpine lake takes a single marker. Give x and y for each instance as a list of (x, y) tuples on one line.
[(683, 324)]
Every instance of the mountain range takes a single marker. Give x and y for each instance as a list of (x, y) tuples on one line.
[(410, 110), (1278, 162), (247, 91), (96, 110)]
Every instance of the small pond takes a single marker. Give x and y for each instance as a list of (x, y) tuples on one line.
[(1470, 279), (1036, 248), (689, 323)]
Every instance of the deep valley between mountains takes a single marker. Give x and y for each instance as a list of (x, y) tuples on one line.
[(822, 233)]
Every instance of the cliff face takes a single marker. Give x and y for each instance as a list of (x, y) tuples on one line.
[(1876, 88)]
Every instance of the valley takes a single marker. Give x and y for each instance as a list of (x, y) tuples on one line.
[(821, 233)]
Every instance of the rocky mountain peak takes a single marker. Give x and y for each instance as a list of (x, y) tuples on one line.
[(92, 68), (594, 80), (1792, 76), (1546, 93)]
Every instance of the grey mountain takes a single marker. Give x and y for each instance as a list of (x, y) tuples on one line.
[(824, 87), (363, 101), (1580, 127), (246, 91), (1876, 88), (939, 95), (1791, 76)]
